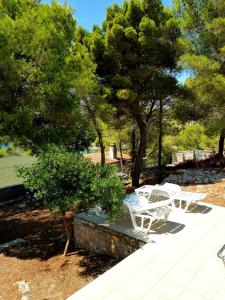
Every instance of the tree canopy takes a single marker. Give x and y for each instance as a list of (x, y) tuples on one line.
[(203, 27), (38, 65), (136, 53), (59, 83)]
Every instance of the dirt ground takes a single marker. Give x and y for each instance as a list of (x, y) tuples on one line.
[(40, 263), (215, 192)]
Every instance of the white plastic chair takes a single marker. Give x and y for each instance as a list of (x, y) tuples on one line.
[(172, 188), (143, 213), (173, 192), (167, 190), (186, 198), (145, 191)]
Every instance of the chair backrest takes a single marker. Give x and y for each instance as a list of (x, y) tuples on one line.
[(160, 192), (135, 203), (144, 191), (172, 188)]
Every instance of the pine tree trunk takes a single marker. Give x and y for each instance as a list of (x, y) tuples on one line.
[(121, 153), (133, 151), (101, 144), (138, 165), (66, 227), (98, 131), (133, 146), (221, 142), (160, 142)]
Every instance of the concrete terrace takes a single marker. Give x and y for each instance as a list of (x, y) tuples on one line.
[(180, 264)]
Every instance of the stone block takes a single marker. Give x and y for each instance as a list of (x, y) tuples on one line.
[(92, 234), (188, 155)]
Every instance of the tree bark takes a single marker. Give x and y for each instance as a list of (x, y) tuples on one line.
[(141, 153), (121, 153), (98, 131), (133, 151), (138, 165), (66, 226), (160, 142), (221, 142), (133, 146), (102, 147)]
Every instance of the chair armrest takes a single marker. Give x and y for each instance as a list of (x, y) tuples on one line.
[(189, 196), (156, 213), (159, 204), (221, 253)]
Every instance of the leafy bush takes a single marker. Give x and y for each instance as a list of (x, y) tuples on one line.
[(3, 152), (194, 136), (180, 138), (65, 180), (106, 188), (26, 152)]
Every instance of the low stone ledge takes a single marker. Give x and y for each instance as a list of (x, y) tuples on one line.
[(96, 234)]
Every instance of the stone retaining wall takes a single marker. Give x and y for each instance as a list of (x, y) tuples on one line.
[(193, 176), (102, 239), (181, 156)]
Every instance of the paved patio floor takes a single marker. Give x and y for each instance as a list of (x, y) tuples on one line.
[(180, 264)]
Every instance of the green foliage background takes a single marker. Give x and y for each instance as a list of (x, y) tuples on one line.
[(39, 62), (64, 180)]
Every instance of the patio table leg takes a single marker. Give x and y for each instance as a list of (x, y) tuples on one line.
[(187, 205)]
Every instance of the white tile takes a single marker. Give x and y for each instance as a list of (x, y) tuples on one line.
[(191, 295), (133, 289), (167, 290), (148, 277), (155, 296), (117, 295), (183, 265), (220, 295)]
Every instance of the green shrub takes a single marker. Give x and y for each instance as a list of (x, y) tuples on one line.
[(107, 189), (194, 136), (3, 152), (65, 180), (27, 152)]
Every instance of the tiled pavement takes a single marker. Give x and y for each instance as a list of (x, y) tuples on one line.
[(174, 265)]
